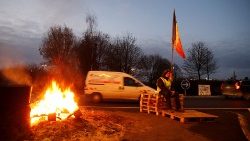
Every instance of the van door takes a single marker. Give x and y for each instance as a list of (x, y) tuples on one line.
[(108, 85), (131, 90)]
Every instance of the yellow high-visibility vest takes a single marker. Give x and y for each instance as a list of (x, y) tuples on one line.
[(167, 83)]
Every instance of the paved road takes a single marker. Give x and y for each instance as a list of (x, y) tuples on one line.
[(190, 102), (215, 102), (226, 128)]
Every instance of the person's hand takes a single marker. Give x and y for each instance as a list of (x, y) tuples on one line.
[(171, 76)]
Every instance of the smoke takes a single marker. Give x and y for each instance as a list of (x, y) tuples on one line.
[(12, 65), (67, 73), (17, 75)]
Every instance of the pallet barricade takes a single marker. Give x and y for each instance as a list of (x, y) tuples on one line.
[(156, 104), (189, 116), (144, 100), (151, 103)]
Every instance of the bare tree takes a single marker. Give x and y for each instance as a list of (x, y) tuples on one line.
[(200, 61), (177, 72), (91, 22), (58, 46), (92, 50), (87, 47), (92, 47), (210, 64), (130, 53), (113, 58), (58, 49), (123, 54), (151, 68)]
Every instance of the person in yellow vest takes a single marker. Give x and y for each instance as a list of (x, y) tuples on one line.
[(164, 84)]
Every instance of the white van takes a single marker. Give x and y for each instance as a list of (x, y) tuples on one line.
[(108, 85)]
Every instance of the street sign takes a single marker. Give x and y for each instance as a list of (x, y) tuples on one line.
[(204, 90), (185, 84)]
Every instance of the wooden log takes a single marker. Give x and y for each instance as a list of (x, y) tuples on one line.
[(77, 114), (52, 117)]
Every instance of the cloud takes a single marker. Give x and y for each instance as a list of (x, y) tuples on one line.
[(38, 16), (18, 53), (231, 55), (160, 47), (23, 24), (19, 43)]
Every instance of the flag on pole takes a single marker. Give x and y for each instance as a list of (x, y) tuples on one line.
[(176, 40)]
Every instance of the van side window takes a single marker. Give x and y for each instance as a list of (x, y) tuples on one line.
[(130, 82)]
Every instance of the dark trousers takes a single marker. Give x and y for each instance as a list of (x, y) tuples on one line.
[(172, 100)]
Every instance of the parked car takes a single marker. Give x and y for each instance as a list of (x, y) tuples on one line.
[(237, 89), (245, 88), (108, 85)]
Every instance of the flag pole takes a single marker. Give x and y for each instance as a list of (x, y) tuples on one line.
[(172, 43), (176, 42), (172, 60)]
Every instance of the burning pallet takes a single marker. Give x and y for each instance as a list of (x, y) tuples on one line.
[(19, 114), (189, 116), (57, 103), (53, 116)]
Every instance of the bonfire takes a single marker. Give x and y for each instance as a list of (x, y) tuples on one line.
[(57, 104)]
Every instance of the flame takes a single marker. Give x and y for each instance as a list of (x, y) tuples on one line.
[(56, 101)]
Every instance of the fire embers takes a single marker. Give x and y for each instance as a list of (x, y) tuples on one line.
[(57, 104)]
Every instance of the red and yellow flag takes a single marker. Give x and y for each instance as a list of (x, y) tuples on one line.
[(176, 40)]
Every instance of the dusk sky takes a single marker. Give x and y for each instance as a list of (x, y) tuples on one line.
[(222, 24)]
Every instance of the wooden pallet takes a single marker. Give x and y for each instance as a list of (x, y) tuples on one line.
[(155, 104), (189, 116), (144, 102), (151, 103)]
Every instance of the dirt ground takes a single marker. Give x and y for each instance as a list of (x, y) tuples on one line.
[(99, 125)]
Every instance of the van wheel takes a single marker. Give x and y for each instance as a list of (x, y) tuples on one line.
[(96, 97)]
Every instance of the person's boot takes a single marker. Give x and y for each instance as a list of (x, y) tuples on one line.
[(173, 103), (181, 103)]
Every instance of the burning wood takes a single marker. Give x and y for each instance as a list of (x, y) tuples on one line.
[(56, 104), (77, 114), (52, 117)]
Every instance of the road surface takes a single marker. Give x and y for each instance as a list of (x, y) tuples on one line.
[(216, 102)]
